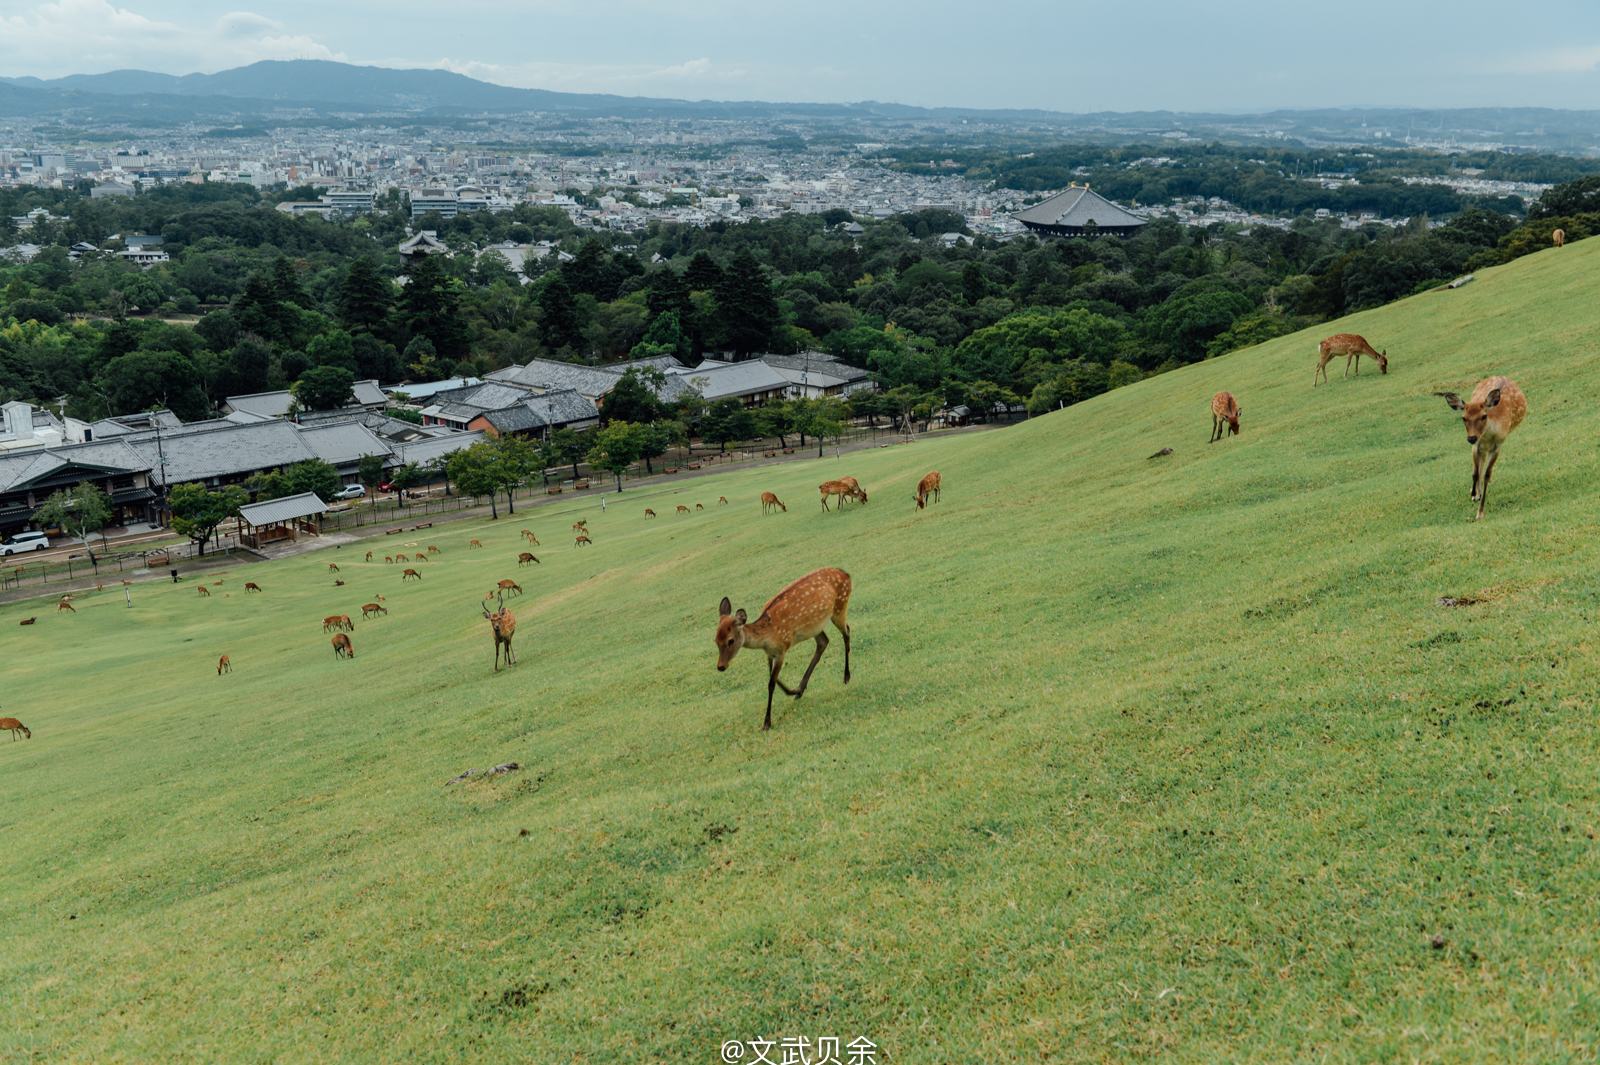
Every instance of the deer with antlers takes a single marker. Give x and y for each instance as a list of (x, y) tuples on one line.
[(224, 665), (768, 501), (799, 612), (1225, 414), (342, 647), (1352, 347), (504, 625), (581, 526), (929, 485), (525, 558), (1496, 408)]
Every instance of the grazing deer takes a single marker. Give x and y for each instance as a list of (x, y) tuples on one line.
[(69, 608), (509, 585), (504, 625), (203, 590), (1497, 407), (722, 500), (341, 646), (27, 621), (336, 621), (1559, 236), (369, 610), (402, 558), (799, 612), (699, 506), (421, 558), (929, 484), (99, 587), (333, 567), (855, 488), (649, 513), (13, 726), (583, 538), (581, 526), (389, 559), (473, 543), (434, 550), (525, 558), (410, 573), (1352, 347), (251, 586), (224, 666), (682, 509), (842, 490), (369, 556), (768, 501), (527, 534), (1225, 412)]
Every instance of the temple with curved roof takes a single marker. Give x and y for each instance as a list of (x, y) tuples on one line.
[(1078, 212)]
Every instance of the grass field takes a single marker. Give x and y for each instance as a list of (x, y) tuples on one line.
[(1175, 758)]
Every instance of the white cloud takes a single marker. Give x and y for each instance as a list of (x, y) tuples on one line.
[(86, 36), (1577, 59)]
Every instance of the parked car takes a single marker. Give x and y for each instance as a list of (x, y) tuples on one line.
[(24, 541), (351, 491), (386, 486)]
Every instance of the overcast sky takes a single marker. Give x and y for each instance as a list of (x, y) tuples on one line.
[(1122, 55)]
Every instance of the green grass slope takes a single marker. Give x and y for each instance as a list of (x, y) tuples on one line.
[(1175, 758)]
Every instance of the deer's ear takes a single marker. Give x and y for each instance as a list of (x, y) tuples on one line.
[(741, 616), (1452, 399), (1493, 401), (725, 609)]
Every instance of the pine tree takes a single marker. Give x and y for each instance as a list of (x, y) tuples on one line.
[(703, 274), (259, 311), (559, 321), (365, 297), (585, 272), (286, 284), (431, 308), (747, 310)]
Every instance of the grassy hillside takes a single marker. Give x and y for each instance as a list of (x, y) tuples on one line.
[(1176, 758)]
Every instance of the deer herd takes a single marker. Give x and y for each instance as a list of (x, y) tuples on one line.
[(1495, 410)]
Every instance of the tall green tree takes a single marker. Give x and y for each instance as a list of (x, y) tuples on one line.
[(634, 397), (324, 388), (197, 511), (80, 510), (615, 448), (822, 418), (474, 471), (371, 474), (726, 422), (286, 284), (748, 314), (664, 337), (430, 306), (702, 274), (307, 475), (142, 380), (365, 298), (565, 446), (558, 318), (258, 310)]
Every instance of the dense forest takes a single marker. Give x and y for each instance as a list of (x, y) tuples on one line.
[(275, 301)]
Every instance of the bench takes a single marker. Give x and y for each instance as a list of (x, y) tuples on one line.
[(391, 532), (552, 491), (580, 485), (694, 465), (788, 451), (672, 469), (769, 454), (158, 560), (424, 525)]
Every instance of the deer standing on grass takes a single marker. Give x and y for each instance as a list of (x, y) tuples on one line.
[(337, 621), (251, 586), (649, 513), (799, 612), (410, 573), (509, 585), (928, 485), (473, 543), (841, 489), (342, 647), (1352, 347), (13, 726), (1225, 413), (528, 534), (581, 526), (583, 538), (402, 558), (333, 567), (722, 500), (371, 610), (389, 559), (504, 625), (682, 509), (1496, 408), (855, 487), (434, 550), (768, 501), (699, 506), (69, 608), (203, 590), (369, 556), (1559, 236), (224, 665)]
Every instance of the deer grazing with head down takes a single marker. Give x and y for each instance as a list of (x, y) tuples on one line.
[(1352, 347), (929, 485), (855, 488), (841, 489), (251, 586), (372, 610), (224, 665), (203, 590), (69, 608), (683, 509), (768, 501), (509, 585), (369, 556), (581, 539), (473, 543), (13, 726), (342, 647), (504, 625), (410, 573), (1225, 412), (525, 558), (1559, 237), (649, 513), (1496, 408), (799, 612)]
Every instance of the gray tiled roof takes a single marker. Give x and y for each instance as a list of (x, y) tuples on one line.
[(591, 381), (726, 379), (488, 396), (223, 452), (425, 451), (816, 363), (564, 408), (368, 394), (271, 404), (19, 469), (1076, 207), (343, 443), (287, 508)]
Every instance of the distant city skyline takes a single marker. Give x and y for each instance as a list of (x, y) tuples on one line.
[(1236, 56)]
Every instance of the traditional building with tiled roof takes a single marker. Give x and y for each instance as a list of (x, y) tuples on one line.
[(1079, 212)]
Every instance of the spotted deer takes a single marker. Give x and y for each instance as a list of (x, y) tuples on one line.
[(1495, 410), (855, 487), (800, 612), (1352, 347), (768, 501), (1225, 412), (929, 485), (503, 623)]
